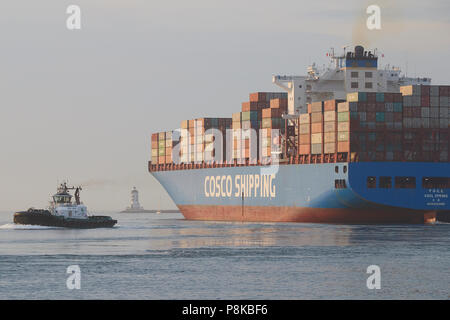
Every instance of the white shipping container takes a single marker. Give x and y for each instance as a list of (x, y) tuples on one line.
[(434, 101), (407, 101), (389, 106), (434, 123), (425, 122), (443, 123), (434, 91), (389, 155), (343, 107), (407, 123), (362, 116), (434, 112), (417, 123), (329, 115), (304, 118), (416, 102), (316, 138), (443, 101), (443, 112), (425, 112)]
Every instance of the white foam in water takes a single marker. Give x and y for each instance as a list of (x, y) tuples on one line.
[(12, 226)]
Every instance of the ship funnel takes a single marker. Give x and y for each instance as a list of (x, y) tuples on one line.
[(359, 51)]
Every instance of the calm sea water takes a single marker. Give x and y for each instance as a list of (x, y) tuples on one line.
[(150, 256)]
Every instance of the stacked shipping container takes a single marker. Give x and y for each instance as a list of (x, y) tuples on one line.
[(426, 119), (411, 125)]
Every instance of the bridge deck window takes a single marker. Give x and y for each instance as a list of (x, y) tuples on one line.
[(405, 182), (340, 184), (436, 182), (385, 182), (371, 182)]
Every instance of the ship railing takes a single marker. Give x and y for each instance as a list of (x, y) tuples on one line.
[(298, 159)]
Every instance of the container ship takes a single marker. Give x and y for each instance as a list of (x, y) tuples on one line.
[(349, 144)]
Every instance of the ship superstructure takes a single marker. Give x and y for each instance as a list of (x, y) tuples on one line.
[(349, 72)]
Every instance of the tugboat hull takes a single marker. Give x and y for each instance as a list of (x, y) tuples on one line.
[(45, 218)]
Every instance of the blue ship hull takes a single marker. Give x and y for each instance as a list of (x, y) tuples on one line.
[(327, 193)]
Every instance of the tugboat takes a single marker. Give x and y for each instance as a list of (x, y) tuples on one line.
[(62, 212)]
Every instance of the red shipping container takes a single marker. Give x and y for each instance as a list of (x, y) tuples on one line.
[(408, 112), (371, 97), (371, 107), (425, 101), (424, 90), (444, 91), (417, 113), (379, 107), (388, 97), (331, 105), (154, 137), (354, 124), (398, 97), (370, 116), (398, 117)]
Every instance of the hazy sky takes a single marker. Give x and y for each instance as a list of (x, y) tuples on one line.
[(82, 104)]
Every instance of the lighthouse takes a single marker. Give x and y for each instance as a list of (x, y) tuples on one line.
[(135, 205)]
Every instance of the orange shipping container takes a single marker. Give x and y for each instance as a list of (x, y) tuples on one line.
[(258, 96), (162, 159), (329, 105), (316, 117), (343, 146), (304, 139), (304, 149), (317, 127), (251, 106), (271, 113), (279, 103)]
